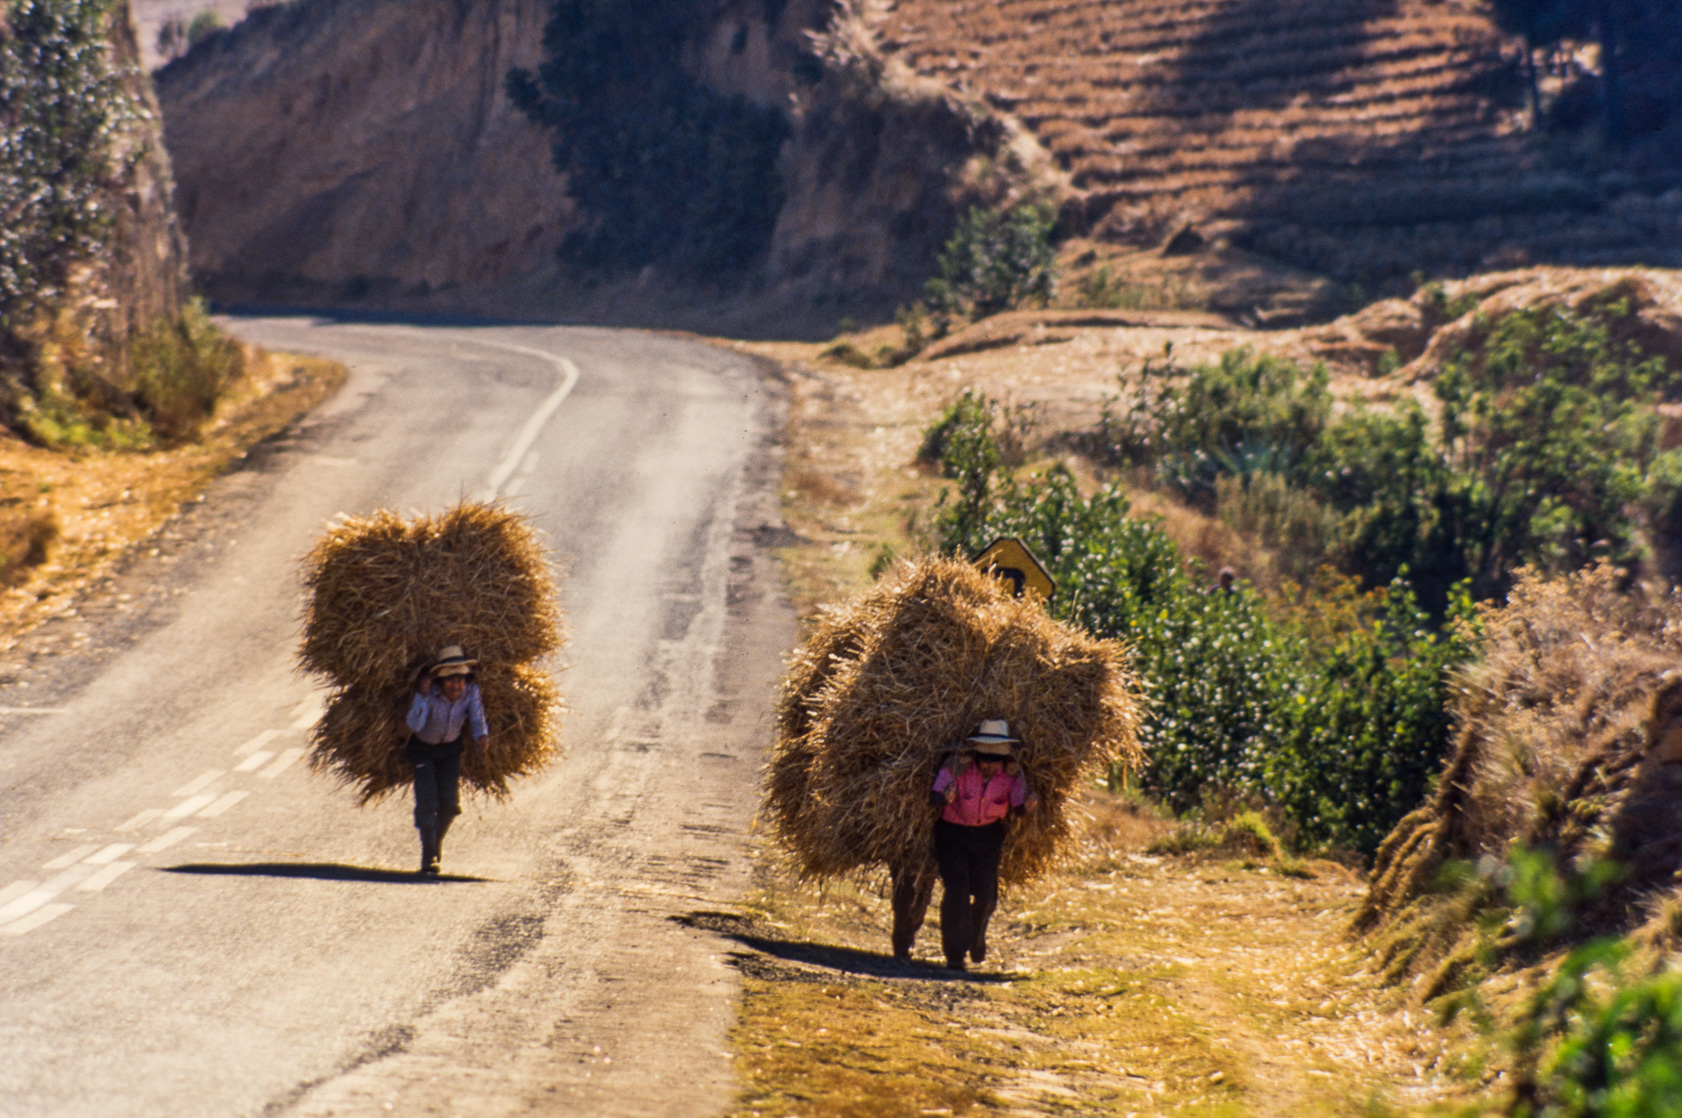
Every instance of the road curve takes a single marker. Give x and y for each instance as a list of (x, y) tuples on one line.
[(191, 924)]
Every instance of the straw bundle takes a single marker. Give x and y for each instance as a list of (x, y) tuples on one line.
[(385, 593), (889, 685)]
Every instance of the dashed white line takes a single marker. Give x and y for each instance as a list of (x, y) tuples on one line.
[(141, 819), (110, 854), (165, 840), (34, 710), (105, 877), (281, 763), (187, 807), (16, 889), (71, 857), (36, 919), (257, 742), (256, 761), (199, 783), (223, 804), (42, 893)]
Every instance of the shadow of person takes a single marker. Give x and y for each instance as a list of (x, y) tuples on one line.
[(318, 871), (842, 960)]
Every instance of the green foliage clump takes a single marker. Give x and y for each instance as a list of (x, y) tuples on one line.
[(1544, 453), (203, 25), (63, 109), (666, 169), (1341, 725), (995, 260), (181, 369)]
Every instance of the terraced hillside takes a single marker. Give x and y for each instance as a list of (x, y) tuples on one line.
[(1360, 137)]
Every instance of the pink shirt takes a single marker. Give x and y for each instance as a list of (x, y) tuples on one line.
[(976, 805)]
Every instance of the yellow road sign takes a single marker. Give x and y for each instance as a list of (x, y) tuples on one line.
[(1011, 560)]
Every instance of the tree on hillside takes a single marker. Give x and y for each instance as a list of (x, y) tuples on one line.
[(665, 169)]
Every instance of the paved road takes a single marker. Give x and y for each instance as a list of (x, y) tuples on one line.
[(192, 924)]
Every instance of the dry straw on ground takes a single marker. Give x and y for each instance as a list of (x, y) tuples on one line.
[(385, 593), (890, 684), (1569, 738)]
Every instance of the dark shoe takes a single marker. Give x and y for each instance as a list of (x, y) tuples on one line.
[(978, 952), (429, 849), (956, 964), (432, 869)]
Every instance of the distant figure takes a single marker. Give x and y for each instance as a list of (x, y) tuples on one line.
[(975, 792), (1225, 582), (446, 703)]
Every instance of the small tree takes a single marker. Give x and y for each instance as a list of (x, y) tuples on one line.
[(203, 26), (997, 259)]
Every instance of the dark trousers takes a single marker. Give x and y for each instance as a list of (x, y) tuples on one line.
[(968, 858), (913, 888), (437, 782)]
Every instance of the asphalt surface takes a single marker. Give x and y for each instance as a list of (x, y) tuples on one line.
[(193, 924)]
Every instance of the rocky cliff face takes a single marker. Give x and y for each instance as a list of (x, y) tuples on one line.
[(365, 151)]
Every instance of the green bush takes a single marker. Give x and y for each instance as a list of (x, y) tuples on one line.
[(181, 369), (203, 25), (996, 260), (1340, 724), (665, 169)]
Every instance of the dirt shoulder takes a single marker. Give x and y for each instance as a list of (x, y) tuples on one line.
[(106, 506)]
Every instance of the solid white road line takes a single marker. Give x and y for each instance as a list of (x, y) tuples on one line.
[(36, 919), (71, 857), (257, 743), (199, 783), (165, 840), (255, 761), (34, 710), (281, 763), (141, 819), (105, 876), (513, 488), (534, 426), (187, 807), (223, 804), (110, 854), (16, 889)]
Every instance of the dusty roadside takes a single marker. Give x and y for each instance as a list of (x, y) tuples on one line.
[(107, 506), (1134, 982)]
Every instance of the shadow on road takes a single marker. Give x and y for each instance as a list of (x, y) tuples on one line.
[(843, 960), (319, 871)]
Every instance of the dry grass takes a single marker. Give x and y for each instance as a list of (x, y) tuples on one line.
[(106, 503), (888, 686), (1569, 730), (384, 593), (1123, 983)]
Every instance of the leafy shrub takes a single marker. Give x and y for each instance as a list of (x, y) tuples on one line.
[(1337, 719), (996, 260), (666, 169), (181, 369), (203, 25)]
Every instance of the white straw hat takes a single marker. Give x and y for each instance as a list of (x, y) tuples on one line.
[(452, 661), (993, 738)]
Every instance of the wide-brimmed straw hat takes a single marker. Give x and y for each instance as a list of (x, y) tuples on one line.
[(993, 738), (452, 661)]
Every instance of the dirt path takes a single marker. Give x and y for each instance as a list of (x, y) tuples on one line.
[(1130, 984)]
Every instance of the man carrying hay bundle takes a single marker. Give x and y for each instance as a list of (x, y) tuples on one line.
[(447, 702), (873, 704)]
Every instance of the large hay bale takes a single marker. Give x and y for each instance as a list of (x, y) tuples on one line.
[(889, 685), (385, 593)]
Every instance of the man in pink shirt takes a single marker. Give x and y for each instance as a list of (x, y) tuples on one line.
[(975, 791)]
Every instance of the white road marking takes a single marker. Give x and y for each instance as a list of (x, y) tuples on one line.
[(255, 761), (141, 819), (16, 889), (187, 807), (165, 840), (529, 466), (512, 489), (30, 923), (223, 804), (281, 763), (534, 426), (34, 710), (199, 783), (105, 877), (42, 893), (71, 857), (307, 719), (110, 854), (257, 742)]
